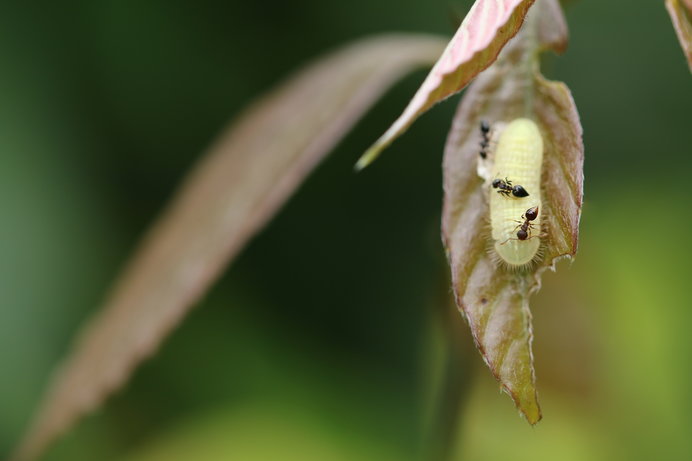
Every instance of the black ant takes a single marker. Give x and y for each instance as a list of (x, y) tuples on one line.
[(485, 133), (526, 226), (505, 188)]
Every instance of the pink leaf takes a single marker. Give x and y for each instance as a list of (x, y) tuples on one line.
[(240, 184), (681, 15), (485, 30)]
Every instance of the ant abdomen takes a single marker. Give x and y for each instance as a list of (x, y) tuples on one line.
[(531, 214), (519, 191)]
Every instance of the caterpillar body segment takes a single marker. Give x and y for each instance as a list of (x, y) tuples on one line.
[(519, 157)]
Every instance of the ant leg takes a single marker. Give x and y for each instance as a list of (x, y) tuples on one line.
[(541, 235), (512, 238), (528, 238)]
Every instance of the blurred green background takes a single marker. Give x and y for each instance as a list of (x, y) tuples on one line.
[(326, 339)]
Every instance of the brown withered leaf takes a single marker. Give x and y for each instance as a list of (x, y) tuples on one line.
[(486, 28), (493, 298), (241, 182), (681, 14)]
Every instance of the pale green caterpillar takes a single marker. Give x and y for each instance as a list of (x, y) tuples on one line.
[(519, 158)]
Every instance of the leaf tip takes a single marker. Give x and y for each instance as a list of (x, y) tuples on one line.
[(532, 412), (368, 157), (526, 401)]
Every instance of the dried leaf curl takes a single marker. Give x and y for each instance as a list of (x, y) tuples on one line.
[(492, 297)]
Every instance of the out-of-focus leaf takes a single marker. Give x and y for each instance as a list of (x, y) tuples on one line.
[(485, 30), (264, 432), (681, 14), (494, 299), (247, 175)]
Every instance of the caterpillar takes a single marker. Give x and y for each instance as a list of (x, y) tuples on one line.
[(519, 157)]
